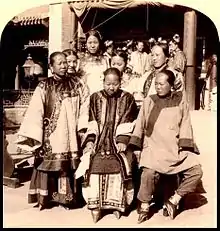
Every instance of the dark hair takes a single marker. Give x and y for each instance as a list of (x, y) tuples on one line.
[(53, 55), (112, 70), (121, 54), (164, 47), (170, 76), (94, 33), (68, 52), (140, 41)]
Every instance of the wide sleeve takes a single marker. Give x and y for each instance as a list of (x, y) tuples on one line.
[(92, 132), (84, 108), (136, 140), (30, 134), (131, 62), (127, 123), (180, 62), (186, 140)]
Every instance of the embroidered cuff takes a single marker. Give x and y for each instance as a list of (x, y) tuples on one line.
[(136, 142), (122, 139), (188, 144), (89, 138)]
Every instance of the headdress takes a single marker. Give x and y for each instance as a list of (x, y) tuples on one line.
[(176, 38), (108, 43)]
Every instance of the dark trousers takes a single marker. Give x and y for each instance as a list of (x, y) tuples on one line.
[(189, 180)]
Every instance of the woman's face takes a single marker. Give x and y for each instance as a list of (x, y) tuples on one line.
[(162, 86), (158, 57), (72, 63), (172, 47), (118, 62), (111, 84), (92, 44), (140, 46), (110, 50), (59, 67)]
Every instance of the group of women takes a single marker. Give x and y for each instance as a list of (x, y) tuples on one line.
[(91, 123)]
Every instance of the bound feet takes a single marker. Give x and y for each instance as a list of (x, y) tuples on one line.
[(40, 206), (172, 205), (117, 214), (172, 209), (96, 214), (143, 212)]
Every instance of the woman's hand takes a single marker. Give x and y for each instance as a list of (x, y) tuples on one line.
[(89, 147), (121, 147)]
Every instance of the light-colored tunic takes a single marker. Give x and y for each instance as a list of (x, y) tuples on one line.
[(92, 68), (140, 62), (178, 61), (57, 111), (163, 133)]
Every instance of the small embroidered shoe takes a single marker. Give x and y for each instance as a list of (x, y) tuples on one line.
[(117, 214), (95, 215), (143, 215), (172, 209)]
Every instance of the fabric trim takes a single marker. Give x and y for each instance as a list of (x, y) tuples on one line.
[(92, 130), (185, 143), (122, 139), (38, 190), (136, 141), (125, 128)]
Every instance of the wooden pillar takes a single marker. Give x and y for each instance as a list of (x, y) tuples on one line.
[(62, 27), (189, 48), (68, 26), (55, 27)]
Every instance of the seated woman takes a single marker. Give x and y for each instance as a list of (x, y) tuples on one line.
[(163, 133), (111, 121)]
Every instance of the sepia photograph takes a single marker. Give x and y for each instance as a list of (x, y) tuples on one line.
[(109, 113)]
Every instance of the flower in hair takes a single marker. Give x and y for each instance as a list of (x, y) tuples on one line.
[(108, 43), (176, 38)]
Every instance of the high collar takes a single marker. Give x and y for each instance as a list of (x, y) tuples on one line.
[(115, 95), (164, 66)]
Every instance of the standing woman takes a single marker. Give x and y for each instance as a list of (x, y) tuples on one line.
[(72, 62), (55, 119), (177, 59), (109, 50), (119, 61), (111, 121), (93, 64), (160, 54), (129, 80)]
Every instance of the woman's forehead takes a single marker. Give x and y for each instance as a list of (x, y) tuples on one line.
[(59, 57), (157, 49), (161, 77), (92, 38), (118, 58), (71, 57), (111, 77)]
